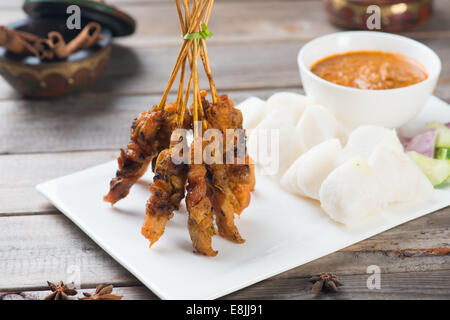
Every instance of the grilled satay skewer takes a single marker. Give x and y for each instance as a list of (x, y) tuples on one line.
[(168, 189), (199, 204), (198, 200), (150, 134), (215, 190), (232, 183)]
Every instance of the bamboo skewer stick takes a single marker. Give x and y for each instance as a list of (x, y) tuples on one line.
[(197, 94), (205, 58), (189, 86), (185, 24), (196, 89), (199, 99), (180, 14), (186, 97), (180, 112), (208, 13), (187, 12), (173, 75), (180, 106), (184, 30), (194, 13), (183, 52)]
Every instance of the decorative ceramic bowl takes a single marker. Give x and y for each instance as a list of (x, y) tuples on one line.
[(396, 15), (38, 79)]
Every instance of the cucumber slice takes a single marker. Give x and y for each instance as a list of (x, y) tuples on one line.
[(444, 184), (437, 171), (443, 139), (443, 153)]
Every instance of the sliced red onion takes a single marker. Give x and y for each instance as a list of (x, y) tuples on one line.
[(424, 143), (447, 125), (404, 140)]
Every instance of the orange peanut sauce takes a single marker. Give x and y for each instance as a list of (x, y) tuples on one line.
[(374, 70)]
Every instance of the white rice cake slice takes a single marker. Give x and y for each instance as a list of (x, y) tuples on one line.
[(401, 178), (351, 192), (253, 111), (305, 176), (363, 141), (316, 125)]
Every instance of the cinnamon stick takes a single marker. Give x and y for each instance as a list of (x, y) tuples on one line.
[(59, 45), (28, 36), (85, 39), (12, 41), (44, 49), (93, 30)]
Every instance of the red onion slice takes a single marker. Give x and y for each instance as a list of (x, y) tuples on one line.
[(424, 143)]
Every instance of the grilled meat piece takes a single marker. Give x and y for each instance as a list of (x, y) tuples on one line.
[(133, 163), (150, 134), (225, 204), (200, 208), (232, 183), (168, 189), (242, 182), (222, 115)]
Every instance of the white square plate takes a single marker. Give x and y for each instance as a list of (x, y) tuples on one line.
[(282, 231)]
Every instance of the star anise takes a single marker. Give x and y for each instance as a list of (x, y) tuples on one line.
[(60, 291), (102, 292), (326, 282)]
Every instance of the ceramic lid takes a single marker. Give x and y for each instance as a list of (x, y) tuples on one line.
[(120, 23)]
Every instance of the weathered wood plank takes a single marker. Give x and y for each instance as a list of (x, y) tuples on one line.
[(266, 21), (20, 174), (145, 68), (142, 71), (128, 293), (34, 249), (24, 250), (89, 123), (235, 67), (443, 91), (157, 23), (234, 22), (56, 130), (17, 4), (413, 285), (243, 21), (77, 124)]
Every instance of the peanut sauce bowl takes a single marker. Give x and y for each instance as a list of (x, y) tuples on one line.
[(390, 108)]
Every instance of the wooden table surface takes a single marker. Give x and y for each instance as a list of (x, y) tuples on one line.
[(253, 52)]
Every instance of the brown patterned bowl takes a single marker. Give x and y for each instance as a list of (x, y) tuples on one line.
[(396, 15), (38, 79)]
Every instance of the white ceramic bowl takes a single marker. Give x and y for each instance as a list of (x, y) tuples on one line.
[(389, 108)]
